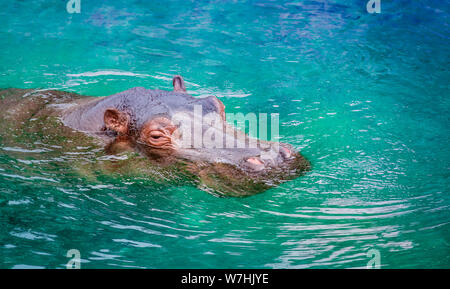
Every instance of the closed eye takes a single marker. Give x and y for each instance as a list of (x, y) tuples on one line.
[(156, 134)]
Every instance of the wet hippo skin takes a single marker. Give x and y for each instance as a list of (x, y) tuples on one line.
[(147, 121)]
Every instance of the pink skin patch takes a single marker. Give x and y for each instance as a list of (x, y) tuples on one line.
[(285, 152), (255, 163)]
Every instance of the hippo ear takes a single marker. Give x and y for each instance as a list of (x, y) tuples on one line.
[(178, 84), (220, 107), (117, 121)]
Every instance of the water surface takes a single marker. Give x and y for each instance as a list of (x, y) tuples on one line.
[(364, 97)]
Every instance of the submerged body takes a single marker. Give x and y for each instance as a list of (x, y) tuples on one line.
[(163, 127)]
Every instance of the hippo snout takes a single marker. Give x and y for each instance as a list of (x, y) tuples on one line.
[(277, 155)]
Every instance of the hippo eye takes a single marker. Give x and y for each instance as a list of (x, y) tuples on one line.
[(156, 134)]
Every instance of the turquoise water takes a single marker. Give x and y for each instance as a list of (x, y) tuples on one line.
[(365, 97)]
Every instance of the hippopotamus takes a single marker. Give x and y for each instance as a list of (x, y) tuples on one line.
[(167, 128)]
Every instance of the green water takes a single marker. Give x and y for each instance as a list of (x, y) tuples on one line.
[(364, 97)]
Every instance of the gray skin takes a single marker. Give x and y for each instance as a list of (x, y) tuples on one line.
[(147, 121)]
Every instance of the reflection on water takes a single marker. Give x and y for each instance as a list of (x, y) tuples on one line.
[(364, 97)]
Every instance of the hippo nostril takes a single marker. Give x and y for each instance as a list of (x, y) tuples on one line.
[(285, 152), (255, 163)]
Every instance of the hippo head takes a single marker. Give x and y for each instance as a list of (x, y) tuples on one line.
[(173, 126)]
